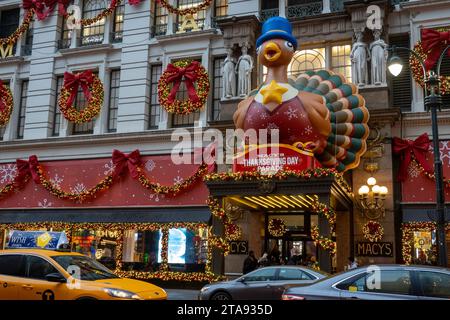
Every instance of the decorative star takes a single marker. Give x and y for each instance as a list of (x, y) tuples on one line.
[(273, 93)]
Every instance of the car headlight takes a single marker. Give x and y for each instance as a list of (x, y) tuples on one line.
[(204, 289), (117, 293)]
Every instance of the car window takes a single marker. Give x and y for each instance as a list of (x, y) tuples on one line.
[(38, 268), (89, 268), (261, 275), (434, 284), (294, 274), (12, 265), (389, 281)]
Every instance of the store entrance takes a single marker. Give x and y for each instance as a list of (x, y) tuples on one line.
[(293, 251)]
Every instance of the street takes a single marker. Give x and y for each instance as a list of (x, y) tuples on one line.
[(182, 294)]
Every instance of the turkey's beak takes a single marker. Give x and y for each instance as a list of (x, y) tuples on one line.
[(272, 51)]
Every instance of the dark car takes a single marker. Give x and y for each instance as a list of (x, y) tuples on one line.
[(262, 284), (383, 282)]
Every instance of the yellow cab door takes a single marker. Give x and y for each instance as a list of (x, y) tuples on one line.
[(36, 286), (12, 271)]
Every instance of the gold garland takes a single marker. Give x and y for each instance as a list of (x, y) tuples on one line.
[(369, 234), (106, 12), (6, 96), (326, 243), (232, 231), (427, 174), (12, 39), (95, 103), (182, 12), (417, 70), (188, 106)]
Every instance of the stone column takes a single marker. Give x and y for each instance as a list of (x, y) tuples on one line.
[(324, 257)]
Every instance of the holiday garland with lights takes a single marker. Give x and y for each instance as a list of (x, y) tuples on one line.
[(12, 39), (325, 243), (277, 227), (6, 104), (93, 91), (373, 231), (232, 231), (182, 12), (191, 73)]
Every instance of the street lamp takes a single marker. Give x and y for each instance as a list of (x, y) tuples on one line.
[(433, 101), (371, 199)]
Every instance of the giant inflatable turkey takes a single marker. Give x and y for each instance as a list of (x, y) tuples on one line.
[(319, 111)]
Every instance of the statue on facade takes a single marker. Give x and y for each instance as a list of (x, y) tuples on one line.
[(379, 57), (359, 56), (229, 76), (244, 70)]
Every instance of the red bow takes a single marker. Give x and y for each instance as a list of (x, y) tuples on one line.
[(433, 42), (134, 2), (62, 5), (73, 81), (39, 7), (25, 168), (190, 76), (121, 161), (405, 148)]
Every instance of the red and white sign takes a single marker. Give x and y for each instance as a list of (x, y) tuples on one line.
[(271, 158)]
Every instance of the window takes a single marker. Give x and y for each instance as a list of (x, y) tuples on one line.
[(12, 265), (160, 20), (217, 88), (56, 111), (304, 60), (434, 284), (93, 33), (81, 102), (188, 120), (199, 16), (341, 62), (304, 8), (267, 274), (90, 270), (113, 100), (154, 109), (401, 85), (269, 9), (392, 282), (38, 268), (65, 41), (294, 274), (141, 250), (9, 21), (22, 109), (220, 8), (445, 71), (118, 23), (28, 45)]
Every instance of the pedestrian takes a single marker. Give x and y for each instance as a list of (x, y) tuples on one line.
[(352, 264), (274, 255), (250, 263), (263, 261)]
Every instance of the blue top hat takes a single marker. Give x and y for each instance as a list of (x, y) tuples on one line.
[(276, 28)]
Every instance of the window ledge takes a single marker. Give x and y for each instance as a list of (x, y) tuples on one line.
[(188, 34), (12, 59), (91, 48)]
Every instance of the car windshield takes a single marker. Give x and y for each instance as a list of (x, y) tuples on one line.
[(89, 268)]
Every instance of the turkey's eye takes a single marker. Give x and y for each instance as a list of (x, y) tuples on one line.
[(258, 50), (289, 45)]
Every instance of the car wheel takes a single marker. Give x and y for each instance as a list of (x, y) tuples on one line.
[(221, 296)]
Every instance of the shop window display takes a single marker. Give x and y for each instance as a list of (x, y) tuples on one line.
[(141, 250), (424, 249)]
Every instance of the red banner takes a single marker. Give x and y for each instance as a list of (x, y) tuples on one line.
[(269, 159)]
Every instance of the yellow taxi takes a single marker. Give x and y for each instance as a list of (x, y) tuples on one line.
[(40, 274)]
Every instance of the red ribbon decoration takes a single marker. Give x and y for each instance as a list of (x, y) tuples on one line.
[(25, 168), (433, 43), (189, 74), (405, 148), (62, 5), (134, 2), (121, 161), (73, 81), (39, 7)]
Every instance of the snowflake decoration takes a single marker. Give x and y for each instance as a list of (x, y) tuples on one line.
[(7, 173), (445, 152), (263, 116), (178, 180), (109, 168), (45, 203), (150, 165), (156, 196), (308, 130), (79, 188), (57, 180), (291, 113), (413, 170), (249, 119)]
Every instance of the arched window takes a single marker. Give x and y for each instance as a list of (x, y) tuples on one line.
[(309, 59)]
